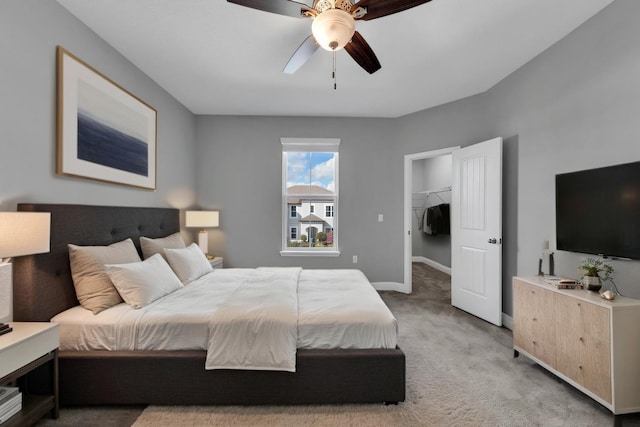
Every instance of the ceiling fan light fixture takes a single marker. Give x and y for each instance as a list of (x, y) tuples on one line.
[(333, 29)]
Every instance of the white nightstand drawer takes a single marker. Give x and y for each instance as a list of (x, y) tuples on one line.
[(27, 342)]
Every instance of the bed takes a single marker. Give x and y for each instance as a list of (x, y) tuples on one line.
[(43, 288)]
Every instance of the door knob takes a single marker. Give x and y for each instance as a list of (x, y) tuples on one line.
[(493, 241)]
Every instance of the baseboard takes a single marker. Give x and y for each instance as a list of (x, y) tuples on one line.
[(507, 321), (389, 286), (432, 263)]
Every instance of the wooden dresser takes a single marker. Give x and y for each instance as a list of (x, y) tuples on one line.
[(592, 343)]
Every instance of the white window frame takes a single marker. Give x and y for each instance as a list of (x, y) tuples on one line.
[(322, 145), (292, 230), (293, 211)]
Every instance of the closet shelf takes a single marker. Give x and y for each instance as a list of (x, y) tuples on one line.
[(439, 190)]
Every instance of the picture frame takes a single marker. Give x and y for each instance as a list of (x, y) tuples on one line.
[(105, 133)]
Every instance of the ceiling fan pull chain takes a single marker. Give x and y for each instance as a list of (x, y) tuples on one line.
[(335, 86)]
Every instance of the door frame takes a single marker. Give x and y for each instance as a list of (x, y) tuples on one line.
[(408, 213)]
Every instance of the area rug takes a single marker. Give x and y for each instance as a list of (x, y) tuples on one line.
[(460, 372)]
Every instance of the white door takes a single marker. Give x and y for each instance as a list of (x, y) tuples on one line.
[(476, 230)]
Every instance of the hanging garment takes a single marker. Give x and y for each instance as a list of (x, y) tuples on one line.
[(437, 220), (445, 225), (432, 218)]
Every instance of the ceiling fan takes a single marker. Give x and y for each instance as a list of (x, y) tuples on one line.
[(334, 25)]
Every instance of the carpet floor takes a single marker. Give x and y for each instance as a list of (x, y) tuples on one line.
[(460, 372)]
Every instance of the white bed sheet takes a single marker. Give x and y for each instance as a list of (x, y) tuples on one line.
[(336, 309)]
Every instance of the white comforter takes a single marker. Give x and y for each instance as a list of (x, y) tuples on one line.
[(257, 325), (335, 309)]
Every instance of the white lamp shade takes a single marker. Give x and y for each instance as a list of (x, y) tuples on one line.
[(202, 219), (333, 28), (24, 233)]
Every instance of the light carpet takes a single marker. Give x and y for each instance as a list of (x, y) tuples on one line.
[(460, 372)]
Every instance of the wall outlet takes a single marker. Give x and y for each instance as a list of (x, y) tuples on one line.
[(355, 259), (380, 218)]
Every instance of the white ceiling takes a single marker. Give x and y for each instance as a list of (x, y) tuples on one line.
[(220, 58)]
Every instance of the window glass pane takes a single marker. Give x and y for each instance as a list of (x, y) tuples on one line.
[(315, 171)]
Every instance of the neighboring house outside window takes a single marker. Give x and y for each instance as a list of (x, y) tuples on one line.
[(310, 196)]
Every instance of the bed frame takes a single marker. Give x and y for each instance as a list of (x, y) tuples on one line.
[(43, 288)]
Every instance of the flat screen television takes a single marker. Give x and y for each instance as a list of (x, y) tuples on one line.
[(598, 211)]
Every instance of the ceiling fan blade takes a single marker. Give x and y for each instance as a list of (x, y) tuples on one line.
[(362, 53), (301, 55), (379, 8), (281, 7)]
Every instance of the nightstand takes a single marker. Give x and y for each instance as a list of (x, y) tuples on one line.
[(29, 360), (216, 262)]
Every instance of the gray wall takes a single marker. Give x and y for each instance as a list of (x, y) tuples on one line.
[(573, 107), (240, 165), (29, 33)]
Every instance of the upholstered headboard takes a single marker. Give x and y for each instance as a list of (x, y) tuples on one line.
[(42, 283)]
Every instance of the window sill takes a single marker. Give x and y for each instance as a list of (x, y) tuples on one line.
[(310, 253)]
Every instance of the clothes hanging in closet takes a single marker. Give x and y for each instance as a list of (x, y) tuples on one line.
[(436, 220)]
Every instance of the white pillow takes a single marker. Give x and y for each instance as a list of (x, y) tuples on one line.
[(188, 263), (140, 283), (94, 290), (156, 246)]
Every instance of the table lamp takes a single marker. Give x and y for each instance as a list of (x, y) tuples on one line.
[(202, 220), (21, 233)]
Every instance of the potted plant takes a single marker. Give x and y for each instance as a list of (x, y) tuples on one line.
[(596, 271)]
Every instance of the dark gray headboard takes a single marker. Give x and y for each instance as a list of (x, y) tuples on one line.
[(42, 283)]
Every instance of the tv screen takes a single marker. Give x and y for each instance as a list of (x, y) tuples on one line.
[(598, 211)]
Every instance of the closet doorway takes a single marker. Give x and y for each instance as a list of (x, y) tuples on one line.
[(427, 184), (476, 225)]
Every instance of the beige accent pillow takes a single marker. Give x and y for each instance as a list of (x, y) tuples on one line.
[(140, 283), (94, 289), (151, 246), (189, 263)]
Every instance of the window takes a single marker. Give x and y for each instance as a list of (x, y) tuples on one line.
[(310, 178), (328, 211)]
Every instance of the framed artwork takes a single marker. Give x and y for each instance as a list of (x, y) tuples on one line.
[(104, 132)]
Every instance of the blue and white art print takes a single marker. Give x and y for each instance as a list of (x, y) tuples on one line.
[(104, 132)]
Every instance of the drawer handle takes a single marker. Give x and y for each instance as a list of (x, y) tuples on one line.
[(580, 367), (581, 339), (534, 319)]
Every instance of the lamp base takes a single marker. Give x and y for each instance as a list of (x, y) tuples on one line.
[(6, 292), (203, 241)]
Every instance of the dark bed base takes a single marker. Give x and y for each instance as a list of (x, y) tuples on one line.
[(179, 378), (43, 288)]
